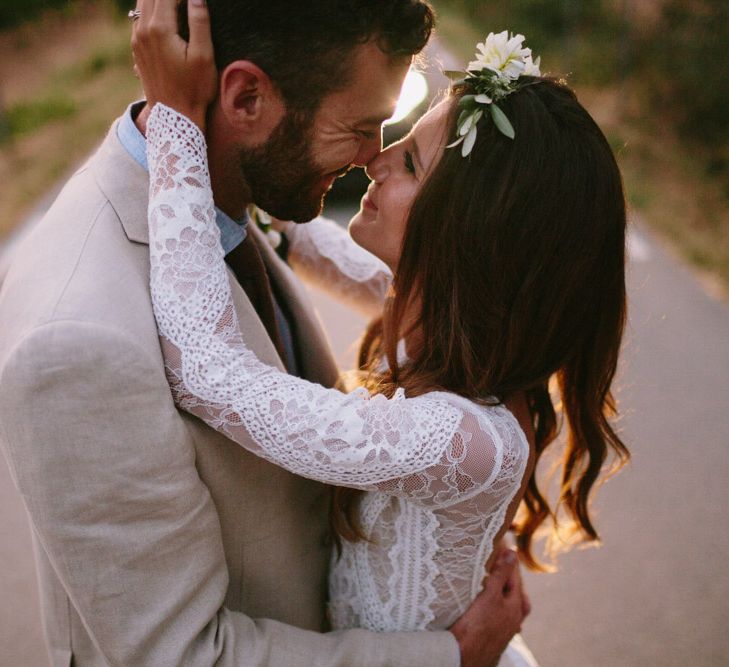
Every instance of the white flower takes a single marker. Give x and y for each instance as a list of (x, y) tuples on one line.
[(501, 54), (274, 238), (263, 218), (507, 59), (531, 67)]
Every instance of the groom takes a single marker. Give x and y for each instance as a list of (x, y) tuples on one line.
[(159, 542)]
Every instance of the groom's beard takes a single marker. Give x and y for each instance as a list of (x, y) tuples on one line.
[(282, 175)]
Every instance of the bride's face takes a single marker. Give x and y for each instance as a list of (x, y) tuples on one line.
[(397, 174)]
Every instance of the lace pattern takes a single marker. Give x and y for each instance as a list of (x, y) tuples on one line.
[(325, 255), (421, 567), (441, 470)]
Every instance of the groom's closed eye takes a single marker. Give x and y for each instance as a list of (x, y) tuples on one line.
[(372, 125)]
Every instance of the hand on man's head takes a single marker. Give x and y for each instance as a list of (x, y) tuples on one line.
[(178, 73), (495, 616)]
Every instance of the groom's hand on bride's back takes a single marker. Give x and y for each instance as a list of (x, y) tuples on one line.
[(494, 617)]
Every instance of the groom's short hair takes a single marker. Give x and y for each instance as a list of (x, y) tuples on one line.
[(305, 45)]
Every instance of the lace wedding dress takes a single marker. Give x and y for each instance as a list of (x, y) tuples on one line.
[(440, 471)]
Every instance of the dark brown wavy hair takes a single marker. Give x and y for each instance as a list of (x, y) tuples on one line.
[(517, 255)]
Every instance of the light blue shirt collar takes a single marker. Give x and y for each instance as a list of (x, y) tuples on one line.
[(232, 232)]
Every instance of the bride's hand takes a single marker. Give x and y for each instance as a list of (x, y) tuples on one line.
[(179, 74)]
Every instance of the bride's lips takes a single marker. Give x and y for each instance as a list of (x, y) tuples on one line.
[(367, 203)]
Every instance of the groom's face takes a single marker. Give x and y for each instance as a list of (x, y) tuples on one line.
[(291, 173)]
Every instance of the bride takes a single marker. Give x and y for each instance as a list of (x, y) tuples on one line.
[(490, 247)]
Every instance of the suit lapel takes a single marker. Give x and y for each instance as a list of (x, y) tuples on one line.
[(318, 364), (125, 184)]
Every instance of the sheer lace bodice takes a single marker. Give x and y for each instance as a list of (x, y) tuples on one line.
[(440, 470)]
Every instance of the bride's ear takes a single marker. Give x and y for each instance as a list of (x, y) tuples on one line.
[(251, 104)]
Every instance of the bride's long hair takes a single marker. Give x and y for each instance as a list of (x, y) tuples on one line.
[(517, 257)]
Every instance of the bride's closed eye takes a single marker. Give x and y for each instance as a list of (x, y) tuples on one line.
[(408, 159)]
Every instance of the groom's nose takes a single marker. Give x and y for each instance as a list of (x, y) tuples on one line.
[(377, 169), (368, 150)]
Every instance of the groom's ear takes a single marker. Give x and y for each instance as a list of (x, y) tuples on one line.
[(250, 102)]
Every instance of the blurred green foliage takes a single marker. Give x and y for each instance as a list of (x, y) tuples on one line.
[(124, 5), (100, 59), (4, 127), (565, 31), (691, 47), (14, 12), (25, 117), (678, 63)]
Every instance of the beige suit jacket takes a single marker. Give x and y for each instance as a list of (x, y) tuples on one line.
[(158, 541)]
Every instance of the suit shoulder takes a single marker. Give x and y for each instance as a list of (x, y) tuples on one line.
[(77, 264)]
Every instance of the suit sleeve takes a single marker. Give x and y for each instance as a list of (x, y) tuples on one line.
[(107, 472)]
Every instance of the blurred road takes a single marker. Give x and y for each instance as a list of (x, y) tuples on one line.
[(657, 592)]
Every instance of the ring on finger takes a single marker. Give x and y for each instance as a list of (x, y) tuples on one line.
[(134, 15)]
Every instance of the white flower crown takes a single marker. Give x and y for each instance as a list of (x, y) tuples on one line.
[(494, 75)]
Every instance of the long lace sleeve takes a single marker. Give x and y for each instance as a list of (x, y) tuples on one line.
[(325, 255), (436, 449)]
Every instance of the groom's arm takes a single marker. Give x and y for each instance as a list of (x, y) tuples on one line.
[(107, 472)]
